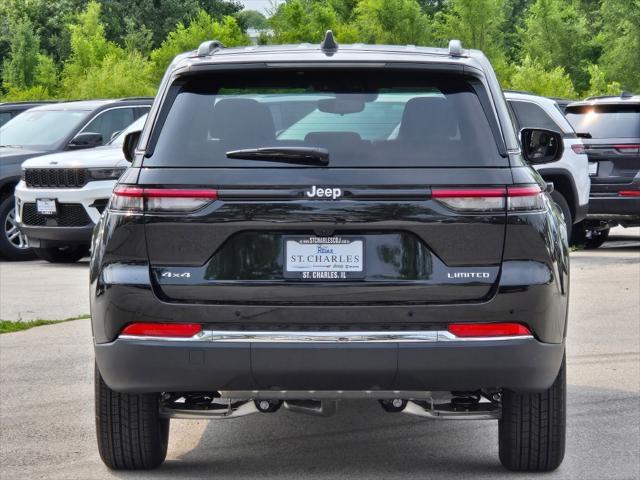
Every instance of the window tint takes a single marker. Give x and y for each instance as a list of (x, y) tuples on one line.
[(531, 115), (110, 121), (606, 121), (4, 117), (118, 141), (363, 119), (42, 129)]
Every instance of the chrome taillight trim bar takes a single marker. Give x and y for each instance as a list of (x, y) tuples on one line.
[(418, 336)]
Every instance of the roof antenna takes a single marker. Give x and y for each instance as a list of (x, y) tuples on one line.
[(329, 45)]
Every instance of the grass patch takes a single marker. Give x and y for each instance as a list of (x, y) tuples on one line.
[(9, 326)]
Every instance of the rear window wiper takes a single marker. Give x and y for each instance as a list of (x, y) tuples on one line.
[(297, 155)]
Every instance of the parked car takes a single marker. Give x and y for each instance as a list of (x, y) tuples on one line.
[(251, 259), (48, 129), (570, 174), (8, 110), (61, 197), (610, 127)]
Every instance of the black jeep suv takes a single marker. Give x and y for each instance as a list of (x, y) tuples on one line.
[(306, 224), (611, 130)]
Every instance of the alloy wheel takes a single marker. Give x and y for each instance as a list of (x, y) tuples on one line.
[(13, 233)]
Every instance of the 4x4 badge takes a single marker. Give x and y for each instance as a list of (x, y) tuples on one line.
[(176, 275)]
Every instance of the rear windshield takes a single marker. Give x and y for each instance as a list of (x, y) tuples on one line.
[(606, 121), (362, 118)]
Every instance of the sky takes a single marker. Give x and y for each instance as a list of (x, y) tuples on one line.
[(260, 5)]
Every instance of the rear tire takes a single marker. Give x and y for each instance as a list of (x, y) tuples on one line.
[(70, 254), (588, 238), (596, 239), (532, 429), (131, 434), (563, 206), (13, 244)]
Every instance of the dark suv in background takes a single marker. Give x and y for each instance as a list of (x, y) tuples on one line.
[(610, 128), (303, 224), (51, 128), (8, 110)]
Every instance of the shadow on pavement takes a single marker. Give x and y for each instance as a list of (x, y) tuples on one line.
[(362, 441)]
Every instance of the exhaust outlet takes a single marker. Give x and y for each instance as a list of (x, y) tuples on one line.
[(318, 408)]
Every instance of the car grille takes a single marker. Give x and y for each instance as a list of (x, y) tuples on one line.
[(69, 215), (56, 177)]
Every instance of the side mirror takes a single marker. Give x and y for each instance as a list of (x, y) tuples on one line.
[(86, 140), (540, 145), (129, 145)]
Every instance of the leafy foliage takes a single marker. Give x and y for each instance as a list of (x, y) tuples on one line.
[(392, 21), (531, 76), (101, 48), (188, 37)]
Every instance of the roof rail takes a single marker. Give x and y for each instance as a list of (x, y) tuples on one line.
[(208, 47), (622, 95), (455, 48), (526, 92), (136, 98)]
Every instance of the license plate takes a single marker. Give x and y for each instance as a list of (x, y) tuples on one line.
[(46, 206), (593, 168), (324, 258)]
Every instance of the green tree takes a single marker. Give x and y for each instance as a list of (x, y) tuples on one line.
[(392, 22), (620, 40), (117, 75), (97, 67), (478, 24), (556, 35), (531, 76), (158, 16), (27, 73), (188, 37), (49, 19), (251, 19), (307, 21), (19, 70), (598, 84), (138, 37)]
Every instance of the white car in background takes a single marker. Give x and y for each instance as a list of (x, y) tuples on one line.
[(570, 174), (61, 196)]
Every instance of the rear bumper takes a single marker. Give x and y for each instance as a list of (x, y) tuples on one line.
[(46, 236), (137, 366), (614, 207)]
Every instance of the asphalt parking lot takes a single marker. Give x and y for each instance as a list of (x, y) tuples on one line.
[(46, 398)]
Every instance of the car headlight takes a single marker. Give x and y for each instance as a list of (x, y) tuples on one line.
[(106, 173)]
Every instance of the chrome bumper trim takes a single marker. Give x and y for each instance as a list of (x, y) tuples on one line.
[(428, 336)]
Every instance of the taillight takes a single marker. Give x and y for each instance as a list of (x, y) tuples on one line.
[(516, 198), (178, 330), (627, 148), (578, 148), (629, 193), (467, 330), (529, 197), (137, 199)]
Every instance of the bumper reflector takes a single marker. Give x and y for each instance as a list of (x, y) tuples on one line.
[(180, 330), (488, 329), (629, 193)]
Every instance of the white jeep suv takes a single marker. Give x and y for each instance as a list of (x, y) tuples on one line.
[(61, 196), (570, 174)]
